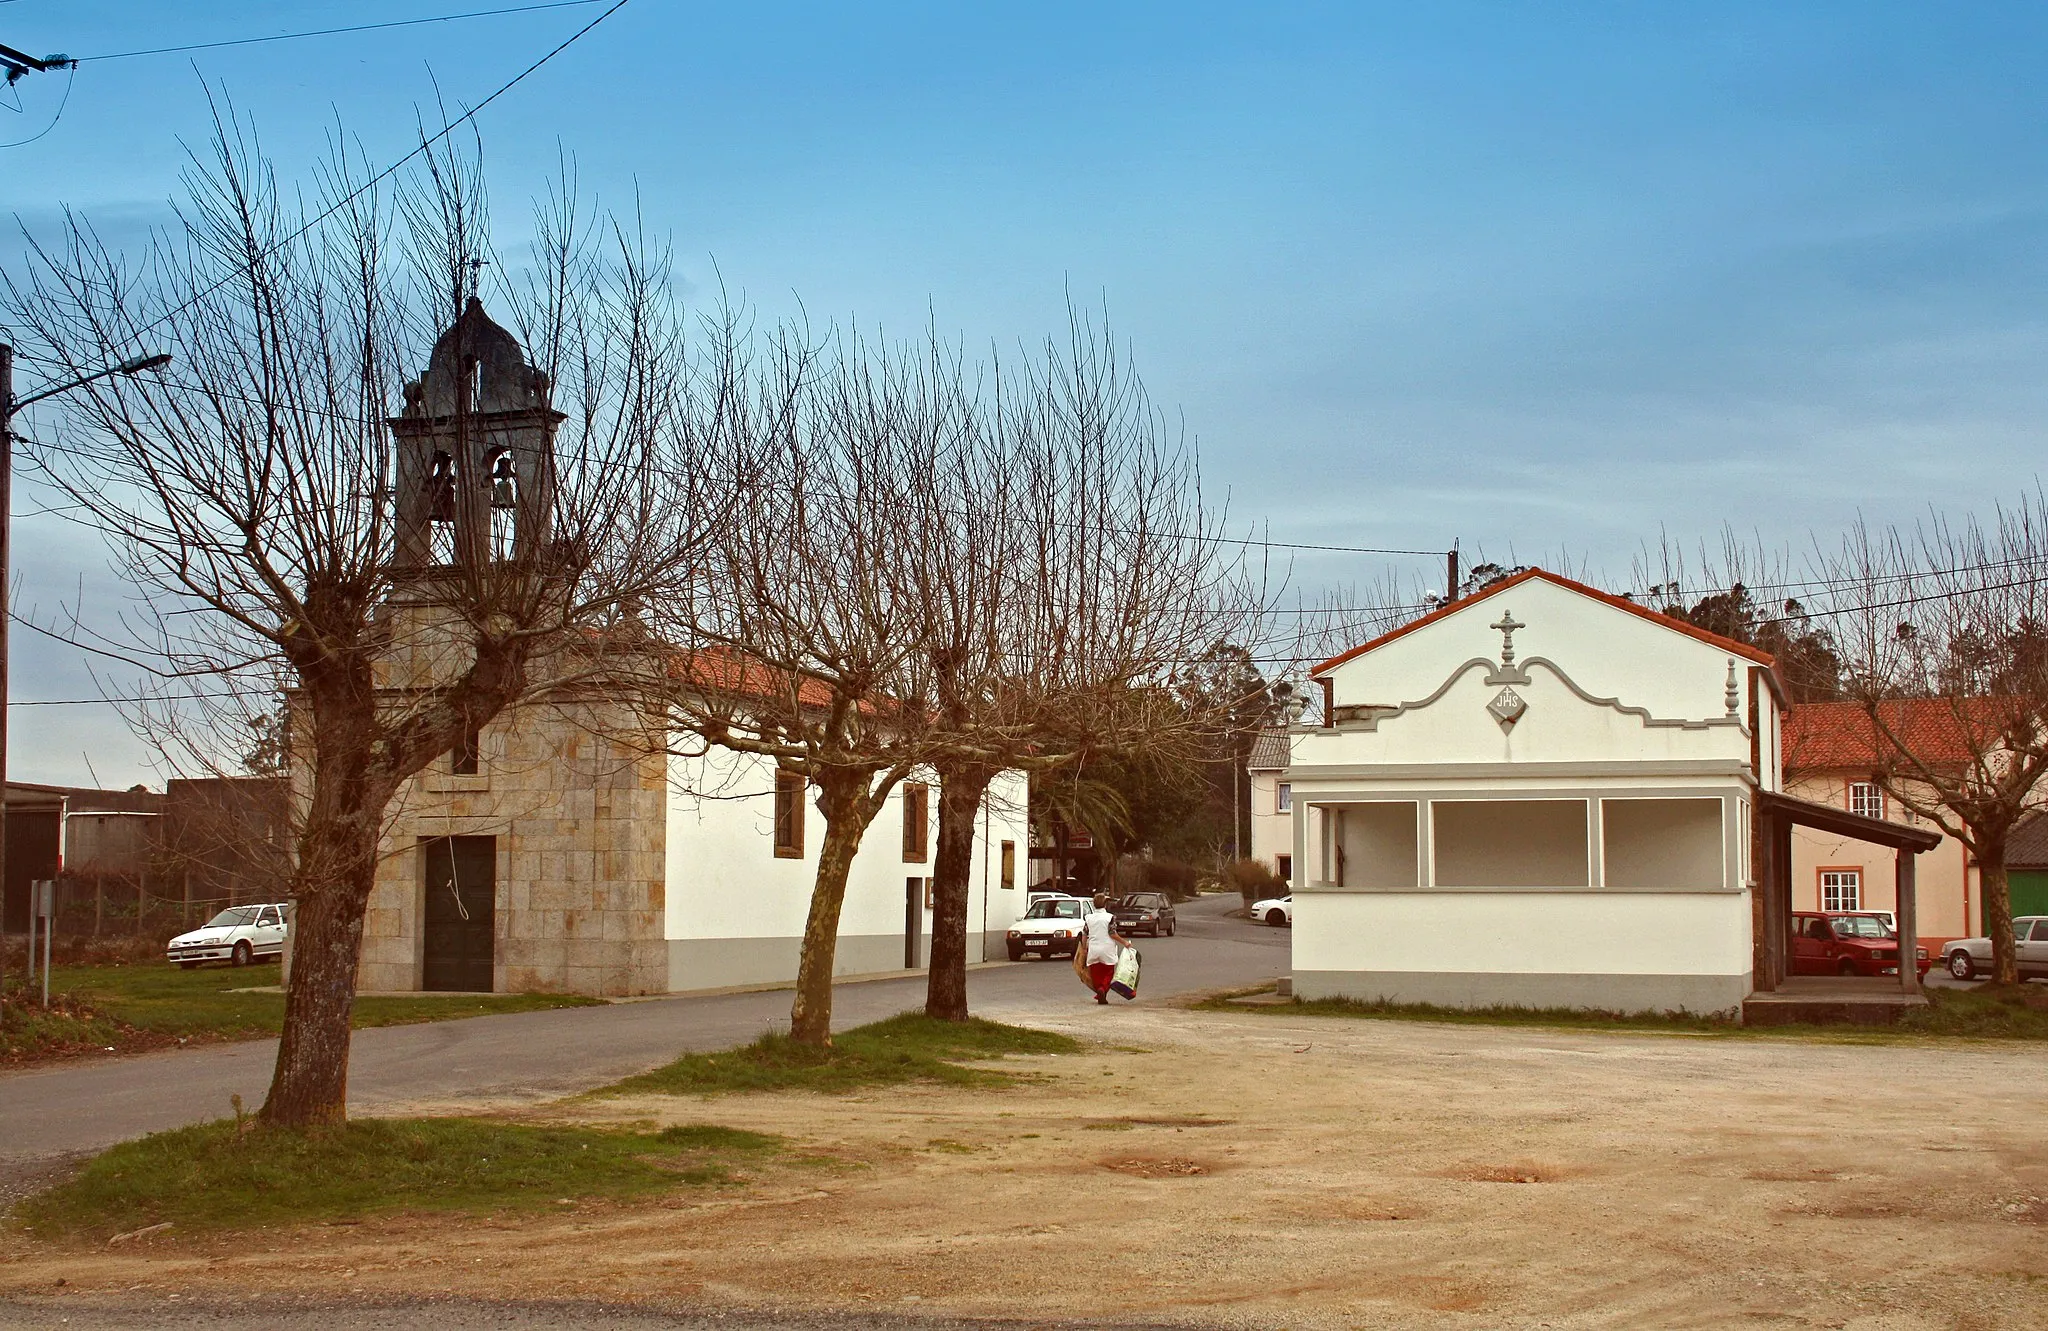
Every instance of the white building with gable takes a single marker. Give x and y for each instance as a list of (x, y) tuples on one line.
[(1540, 796)]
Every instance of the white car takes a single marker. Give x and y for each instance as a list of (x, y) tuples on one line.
[(1276, 911), (1969, 958), (238, 936), (1051, 927)]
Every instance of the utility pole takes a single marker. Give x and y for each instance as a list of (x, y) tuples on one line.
[(6, 603), (9, 404), (1451, 574), (17, 63)]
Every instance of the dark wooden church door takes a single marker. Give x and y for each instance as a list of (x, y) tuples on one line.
[(462, 894)]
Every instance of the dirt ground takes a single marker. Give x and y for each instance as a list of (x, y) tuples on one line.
[(1247, 1170)]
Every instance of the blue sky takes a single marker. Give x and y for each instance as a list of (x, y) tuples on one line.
[(1550, 279)]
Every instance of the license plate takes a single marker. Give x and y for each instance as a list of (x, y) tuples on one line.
[(1036, 942)]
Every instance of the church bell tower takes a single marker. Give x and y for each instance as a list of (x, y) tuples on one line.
[(476, 477)]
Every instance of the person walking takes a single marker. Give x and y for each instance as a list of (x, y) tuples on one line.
[(1103, 942)]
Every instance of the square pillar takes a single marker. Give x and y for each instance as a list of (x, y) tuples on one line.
[(1909, 924)]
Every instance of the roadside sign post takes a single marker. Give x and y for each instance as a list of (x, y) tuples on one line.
[(43, 902), (42, 910)]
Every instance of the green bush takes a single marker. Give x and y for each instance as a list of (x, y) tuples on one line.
[(1254, 880)]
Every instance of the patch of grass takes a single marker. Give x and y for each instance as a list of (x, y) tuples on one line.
[(1575, 1018), (2017, 1012), (711, 1137), (1989, 1011), (149, 1004), (30, 1032), (907, 1047), (233, 1174)]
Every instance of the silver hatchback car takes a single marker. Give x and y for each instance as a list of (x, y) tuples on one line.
[(1968, 958)]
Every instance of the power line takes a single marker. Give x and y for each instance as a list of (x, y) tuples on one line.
[(332, 32), (1949, 595), (373, 181), (70, 75), (1823, 585), (348, 419)]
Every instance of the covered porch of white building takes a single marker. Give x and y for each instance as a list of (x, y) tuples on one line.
[(1783, 997), (1572, 888)]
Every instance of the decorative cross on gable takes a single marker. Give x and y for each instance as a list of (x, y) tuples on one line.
[(1507, 706), (1507, 624)]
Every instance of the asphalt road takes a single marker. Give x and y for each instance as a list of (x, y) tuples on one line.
[(531, 1056)]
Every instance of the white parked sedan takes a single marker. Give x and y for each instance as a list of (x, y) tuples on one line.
[(1050, 928), (1969, 958), (1275, 911), (238, 936)]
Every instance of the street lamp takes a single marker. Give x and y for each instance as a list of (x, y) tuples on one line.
[(9, 404)]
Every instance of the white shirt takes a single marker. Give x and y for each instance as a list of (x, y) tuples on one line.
[(1102, 949)]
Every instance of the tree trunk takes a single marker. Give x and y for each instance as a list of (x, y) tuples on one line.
[(2005, 967), (330, 882), (847, 811), (337, 868), (961, 788)]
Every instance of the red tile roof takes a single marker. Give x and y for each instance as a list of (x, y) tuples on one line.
[(1820, 735), (723, 671), (1741, 649)]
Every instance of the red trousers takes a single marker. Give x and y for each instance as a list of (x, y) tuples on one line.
[(1100, 973)]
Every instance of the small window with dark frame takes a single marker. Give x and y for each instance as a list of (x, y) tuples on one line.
[(464, 757), (916, 815), (789, 815), (1009, 864)]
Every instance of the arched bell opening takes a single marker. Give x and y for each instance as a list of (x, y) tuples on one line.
[(502, 468)]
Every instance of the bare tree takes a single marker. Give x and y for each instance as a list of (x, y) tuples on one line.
[(1069, 574), (1943, 633), (800, 640), (275, 505)]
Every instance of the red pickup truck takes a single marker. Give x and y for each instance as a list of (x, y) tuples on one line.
[(1846, 943)]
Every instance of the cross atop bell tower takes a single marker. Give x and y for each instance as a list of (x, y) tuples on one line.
[(476, 478)]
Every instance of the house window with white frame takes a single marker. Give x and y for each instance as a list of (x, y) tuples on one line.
[(1841, 889), (1283, 798), (1866, 798)]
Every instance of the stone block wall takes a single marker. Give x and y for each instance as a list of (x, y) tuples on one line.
[(580, 825)]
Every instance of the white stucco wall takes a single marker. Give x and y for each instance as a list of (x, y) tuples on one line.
[(1618, 706), (1609, 651), (1523, 933), (735, 912), (1272, 831), (1622, 951)]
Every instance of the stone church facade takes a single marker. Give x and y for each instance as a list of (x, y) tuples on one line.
[(562, 851)]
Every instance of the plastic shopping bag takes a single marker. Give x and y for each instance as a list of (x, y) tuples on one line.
[(1124, 984)]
